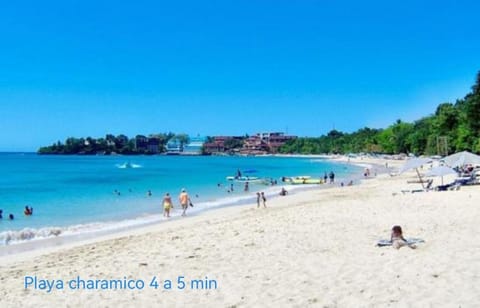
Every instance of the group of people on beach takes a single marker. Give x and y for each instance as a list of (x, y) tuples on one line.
[(183, 198), (330, 176), (28, 212), (261, 197)]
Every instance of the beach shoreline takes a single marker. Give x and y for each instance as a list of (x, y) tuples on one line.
[(25, 239), (314, 248)]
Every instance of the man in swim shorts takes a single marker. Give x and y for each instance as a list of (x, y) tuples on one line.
[(184, 200)]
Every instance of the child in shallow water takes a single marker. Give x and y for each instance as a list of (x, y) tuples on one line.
[(398, 240)]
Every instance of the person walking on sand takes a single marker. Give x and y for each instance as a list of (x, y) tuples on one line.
[(258, 199), (167, 205), (184, 200), (264, 199)]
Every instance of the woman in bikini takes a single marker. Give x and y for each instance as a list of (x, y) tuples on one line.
[(398, 240), (167, 205)]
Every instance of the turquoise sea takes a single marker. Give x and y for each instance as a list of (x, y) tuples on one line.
[(72, 194)]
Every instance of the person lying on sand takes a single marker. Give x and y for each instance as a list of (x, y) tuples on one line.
[(398, 240)]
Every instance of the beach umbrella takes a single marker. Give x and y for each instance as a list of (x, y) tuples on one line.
[(415, 163), (440, 171), (461, 159)]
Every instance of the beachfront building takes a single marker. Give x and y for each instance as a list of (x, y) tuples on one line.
[(174, 147), (223, 144), (254, 145), (263, 143), (194, 147), (153, 145), (141, 143), (275, 140), (147, 144), (258, 144)]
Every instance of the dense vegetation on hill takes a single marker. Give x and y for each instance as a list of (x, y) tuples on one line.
[(452, 128), (120, 144)]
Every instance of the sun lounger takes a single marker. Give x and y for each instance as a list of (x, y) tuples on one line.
[(427, 188), (451, 187), (417, 181), (455, 187)]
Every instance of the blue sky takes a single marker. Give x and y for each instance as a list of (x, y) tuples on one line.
[(86, 68)]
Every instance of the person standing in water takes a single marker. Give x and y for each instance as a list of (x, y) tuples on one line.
[(167, 205), (184, 200), (258, 199), (332, 177)]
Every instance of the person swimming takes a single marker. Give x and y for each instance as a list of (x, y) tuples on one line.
[(28, 211), (11, 217)]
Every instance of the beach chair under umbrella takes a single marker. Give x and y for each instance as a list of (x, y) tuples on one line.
[(440, 171), (415, 163)]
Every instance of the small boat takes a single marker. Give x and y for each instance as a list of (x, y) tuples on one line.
[(125, 165), (128, 165), (243, 178)]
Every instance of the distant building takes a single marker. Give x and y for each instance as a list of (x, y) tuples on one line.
[(141, 143), (174, 147), (275, 140), (194, 147), (254, 145), (258, 144), (153, 145), (219, 144)]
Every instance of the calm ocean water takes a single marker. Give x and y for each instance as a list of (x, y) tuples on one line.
[(77, 193)]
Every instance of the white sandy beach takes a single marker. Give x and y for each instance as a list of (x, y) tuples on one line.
[(315, 248)]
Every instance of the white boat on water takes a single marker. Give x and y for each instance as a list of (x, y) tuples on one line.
[(244, 178), (128, 165)]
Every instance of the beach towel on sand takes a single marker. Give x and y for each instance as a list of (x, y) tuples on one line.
[(410, 241)]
